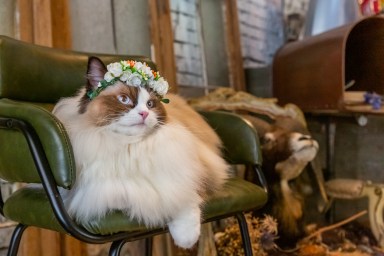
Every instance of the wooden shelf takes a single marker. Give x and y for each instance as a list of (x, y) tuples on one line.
[(354, 102)]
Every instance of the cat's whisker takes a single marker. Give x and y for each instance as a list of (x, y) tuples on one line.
[(161, 122)]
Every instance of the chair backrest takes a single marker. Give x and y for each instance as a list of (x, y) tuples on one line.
[(32, 79), (43, 75)]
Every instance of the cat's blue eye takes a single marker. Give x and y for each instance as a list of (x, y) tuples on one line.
[(124, 99), (150, 104)]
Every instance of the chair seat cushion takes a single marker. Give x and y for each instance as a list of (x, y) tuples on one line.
[(30, 206)]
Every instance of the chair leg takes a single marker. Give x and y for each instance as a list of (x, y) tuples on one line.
[(116, 247), (15, 240), (148, 246), (247, 245)]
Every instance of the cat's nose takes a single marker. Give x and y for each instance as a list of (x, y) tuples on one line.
[(144, 114)]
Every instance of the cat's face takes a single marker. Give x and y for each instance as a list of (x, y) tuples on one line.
[(128, 110)]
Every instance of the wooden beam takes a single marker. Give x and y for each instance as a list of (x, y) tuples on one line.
[(61, 24), (30, 242), (25, 8), (49, 243), (162, 40), (235, 58), (72, 247), (42, 22), (45, 22)]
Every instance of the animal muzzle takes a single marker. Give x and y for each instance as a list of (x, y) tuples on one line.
[(303, 146)]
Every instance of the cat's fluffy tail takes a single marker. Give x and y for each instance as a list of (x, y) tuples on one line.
[(210, 143), (193, 121)]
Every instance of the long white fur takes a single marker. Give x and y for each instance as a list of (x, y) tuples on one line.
[(154, 178)]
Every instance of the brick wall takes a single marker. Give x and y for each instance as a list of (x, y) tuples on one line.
[(262, 27), (188, 46)]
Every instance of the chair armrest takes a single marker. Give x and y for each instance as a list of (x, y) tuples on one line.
[(240, 140), (241, 143), (53, 159), (19, 119)]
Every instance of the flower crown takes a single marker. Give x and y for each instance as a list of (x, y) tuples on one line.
[(134, 73)]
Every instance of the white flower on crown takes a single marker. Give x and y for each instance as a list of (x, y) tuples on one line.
[(108, 76), (125, 64), (116, 69), (126, 74), (135, 79), (147, 71), (138, 65), (160, 86)]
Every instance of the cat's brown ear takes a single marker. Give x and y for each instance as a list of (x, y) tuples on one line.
[(95, 72)]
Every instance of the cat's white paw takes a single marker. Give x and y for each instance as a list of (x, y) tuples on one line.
[(185, 236), (185, 229)]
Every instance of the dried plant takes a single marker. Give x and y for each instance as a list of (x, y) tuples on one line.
[(262, 231)]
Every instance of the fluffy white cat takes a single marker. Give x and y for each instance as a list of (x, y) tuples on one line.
[(155, 162)]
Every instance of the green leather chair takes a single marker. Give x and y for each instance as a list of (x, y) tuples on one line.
[(34, 148)]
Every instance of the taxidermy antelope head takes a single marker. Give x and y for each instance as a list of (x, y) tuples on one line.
[(287, 149)]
